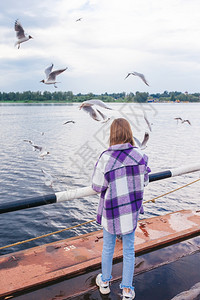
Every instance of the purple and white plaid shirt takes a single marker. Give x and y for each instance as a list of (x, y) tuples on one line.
[(120, 175)]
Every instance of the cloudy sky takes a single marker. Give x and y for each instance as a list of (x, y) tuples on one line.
[(160, 39)]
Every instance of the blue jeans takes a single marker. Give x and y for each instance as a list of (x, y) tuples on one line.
[(128, 258)]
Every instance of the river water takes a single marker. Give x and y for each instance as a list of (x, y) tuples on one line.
[(73, 150)]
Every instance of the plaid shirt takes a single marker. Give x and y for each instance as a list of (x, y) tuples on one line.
[(120, 175)]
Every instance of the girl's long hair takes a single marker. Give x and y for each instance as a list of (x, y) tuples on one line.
[(120, 132)]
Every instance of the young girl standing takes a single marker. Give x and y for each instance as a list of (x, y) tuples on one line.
[(120, 175)]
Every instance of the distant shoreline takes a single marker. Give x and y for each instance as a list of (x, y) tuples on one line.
[(69, 97), (20, 103), (36, 103)]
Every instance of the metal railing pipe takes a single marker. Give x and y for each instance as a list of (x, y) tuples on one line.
[(86, 191)]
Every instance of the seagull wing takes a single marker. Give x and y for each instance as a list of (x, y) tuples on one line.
[(68, 122), (48, 178), (141, 76), (95, 102), (147, 121), (47, 175), (137, 141), (52, 75), (102, 115), (128, 75), (48, 70), (19, 30), (91, 112), (187, 121), (145, 140), (39, 148)]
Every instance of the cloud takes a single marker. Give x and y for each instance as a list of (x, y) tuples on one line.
[(157, 38)]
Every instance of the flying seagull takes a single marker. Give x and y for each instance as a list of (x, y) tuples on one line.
[(35, 147), (51, 76), (79, 19), (182, 121), (142, 145), (69, 122), (48, 178), (139, 75), (95, 113), (20, 34), (43, 153)]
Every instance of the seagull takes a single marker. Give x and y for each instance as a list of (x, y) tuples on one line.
[(79, 19), (35, 147), (51, 76), (142, 145), (139, 75), (20, 34), (48, 178), (39, 148), (95, 113), (182, 121), (69, 122)]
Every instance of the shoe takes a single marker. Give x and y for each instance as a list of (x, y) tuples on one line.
[(128, 296), (103, 287)]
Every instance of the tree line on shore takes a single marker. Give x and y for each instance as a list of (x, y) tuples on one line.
[(142, 97)]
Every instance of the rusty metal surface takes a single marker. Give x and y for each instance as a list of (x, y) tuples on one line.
[(83, 286), (25, 269)]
